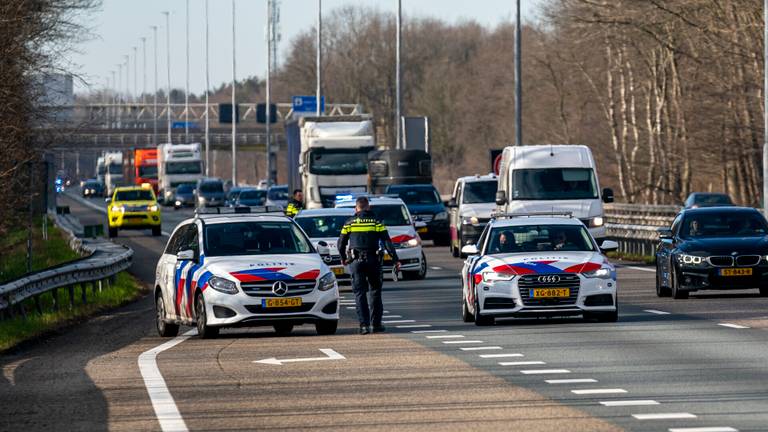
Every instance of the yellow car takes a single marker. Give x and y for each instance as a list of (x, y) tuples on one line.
[(133, 207)]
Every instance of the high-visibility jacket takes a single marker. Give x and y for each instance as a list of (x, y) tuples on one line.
[(363, 232), (293, 208)]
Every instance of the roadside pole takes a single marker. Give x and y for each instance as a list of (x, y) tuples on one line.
[(398, 101), (234, 106), (319, 57), (154, 95), (518, 79), (268, 94), (168, 72), (765, 107), (186, 85), (207, 89)]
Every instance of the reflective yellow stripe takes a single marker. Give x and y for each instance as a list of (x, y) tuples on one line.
[(358, 229)]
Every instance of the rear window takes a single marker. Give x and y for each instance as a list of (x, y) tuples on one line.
[(391, 214), (212, 187), (416, 196)]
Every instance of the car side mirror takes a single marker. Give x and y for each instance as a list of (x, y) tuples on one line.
[(609, 246), (665, 233), (607, 195), (451, 203), (323, 249), (501, 198), (186, 255), (108, 200), (419, 224), (470, 250)]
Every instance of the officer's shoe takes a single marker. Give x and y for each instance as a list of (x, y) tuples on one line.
[(364, 330), (379, 328)]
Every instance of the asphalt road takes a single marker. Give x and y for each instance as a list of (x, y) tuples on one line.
[(666, 365)]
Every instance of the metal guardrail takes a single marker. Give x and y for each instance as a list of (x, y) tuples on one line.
[(635, 226), (105, 260)]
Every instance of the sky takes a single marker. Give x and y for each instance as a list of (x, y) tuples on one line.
[(120, 25)]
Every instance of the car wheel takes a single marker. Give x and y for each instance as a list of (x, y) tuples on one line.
[(677, 293), (156, 231), (283, 329), (203, 329), (112, 232), (466, 316), (326, 327), (164, 329), (482, 320), (661, 291)]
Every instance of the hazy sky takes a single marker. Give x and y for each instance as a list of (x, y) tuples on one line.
[(121, 24)]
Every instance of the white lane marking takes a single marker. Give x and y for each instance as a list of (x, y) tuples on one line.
[(166, 411), (735, 326), (598, 391), (329, 355), (447, 336), (544, 371), (622, 403), (463, 342), (351, 308), (501, 355), (398, 321), (704, 429), (571, 381), (657, 312), (392, 316), (522, 363), (436, 268), (428, 331), (386, 311), (484, 348), (645, 269), (9, 370), (664, 416), (414, 326)]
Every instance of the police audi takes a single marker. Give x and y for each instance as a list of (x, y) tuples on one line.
[(538, 264), (237, 268), (323, 226)]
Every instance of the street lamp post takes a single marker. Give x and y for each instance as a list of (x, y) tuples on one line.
[(207, 89), (518, 79), (319, 56), (765, 109), (186, 86), (144, 67), (234, 106), (168, 71), (270, 166), (154, 93), (398, 100)]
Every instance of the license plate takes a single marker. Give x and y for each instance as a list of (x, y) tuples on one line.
[(736, 272), (338, 271), (281, 302), (387, 257), (422, 230), (551, 292)]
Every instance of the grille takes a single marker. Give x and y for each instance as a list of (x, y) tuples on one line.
[(529, 282), (721, 261), (426, 217), (498, 303), (747, 260), (264, 288), (259, 309), (135, 208)]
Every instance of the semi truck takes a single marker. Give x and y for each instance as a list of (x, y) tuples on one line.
[(397, 167), (177, 164), (332, 157), (113, 177), (145, 167), (101, 169)]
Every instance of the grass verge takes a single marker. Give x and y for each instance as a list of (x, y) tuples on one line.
[(13, 251), (16, 330)]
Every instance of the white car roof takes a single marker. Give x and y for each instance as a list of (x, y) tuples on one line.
[(535, 220), (374, 201), (475, 178), (211, 219), (338, 211)]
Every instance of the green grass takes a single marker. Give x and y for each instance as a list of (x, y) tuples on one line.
[(16, 330), (645, 259), (13, 251)]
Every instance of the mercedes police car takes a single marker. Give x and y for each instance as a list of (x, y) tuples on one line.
[(323, 226), (394, 214), (538, 264), (235, 267)]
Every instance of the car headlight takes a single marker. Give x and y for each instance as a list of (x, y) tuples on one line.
[(497, 277), (601, 273), (596, 222), (201, 199), (118, 208), (152, 208), (690, 259), (225, 286), (328, 281), (470, 220), (441, 216), (178, 203)]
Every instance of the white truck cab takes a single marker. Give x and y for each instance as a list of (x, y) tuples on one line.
[(113, 173), (553, 178), (177, 164)]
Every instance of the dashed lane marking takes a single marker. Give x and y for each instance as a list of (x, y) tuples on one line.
[(429, 331), (482, 348), (392, 316), (544, 371), (664, 416), (734, 326), (522, 363), (505, 355), (623, 403), (398, 321), (436, 268), (645, 269), (571, 381), (598, 391), (657, 312), (448, 336), (704, 429), (414, 326), (463, 342)]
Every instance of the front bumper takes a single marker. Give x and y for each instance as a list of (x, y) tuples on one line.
[(241, 309), (434, 229), (134, 219), (709, 278), (510, 299)]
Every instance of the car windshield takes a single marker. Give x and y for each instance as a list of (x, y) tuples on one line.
[(194, 167), (480, 192), (539, 238), (253, 195), (553, 184), (338, 162), (416, 196), (391, 214), (712, 200), (134, 195), (148, 171), (255, 238), (734, 224), (212, 187), (185, 188), (322, 226), (278, 193)]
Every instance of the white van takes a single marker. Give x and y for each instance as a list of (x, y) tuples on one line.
[(553, 178)]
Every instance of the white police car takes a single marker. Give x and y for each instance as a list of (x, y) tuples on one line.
[(243, 269), (538, 264), (323, 226), (394, 214)]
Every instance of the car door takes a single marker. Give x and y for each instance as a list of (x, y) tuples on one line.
[(455, 220), (469, 267), (188, 270), (171, 276), (664, 252)]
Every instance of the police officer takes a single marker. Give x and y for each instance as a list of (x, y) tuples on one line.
[(295, 204), (363, 233)]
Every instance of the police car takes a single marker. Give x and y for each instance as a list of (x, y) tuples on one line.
[(538, 264), (323, 226), (394, 214), (232, 268)]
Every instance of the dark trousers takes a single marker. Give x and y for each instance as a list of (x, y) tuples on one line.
[(366, 284)]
